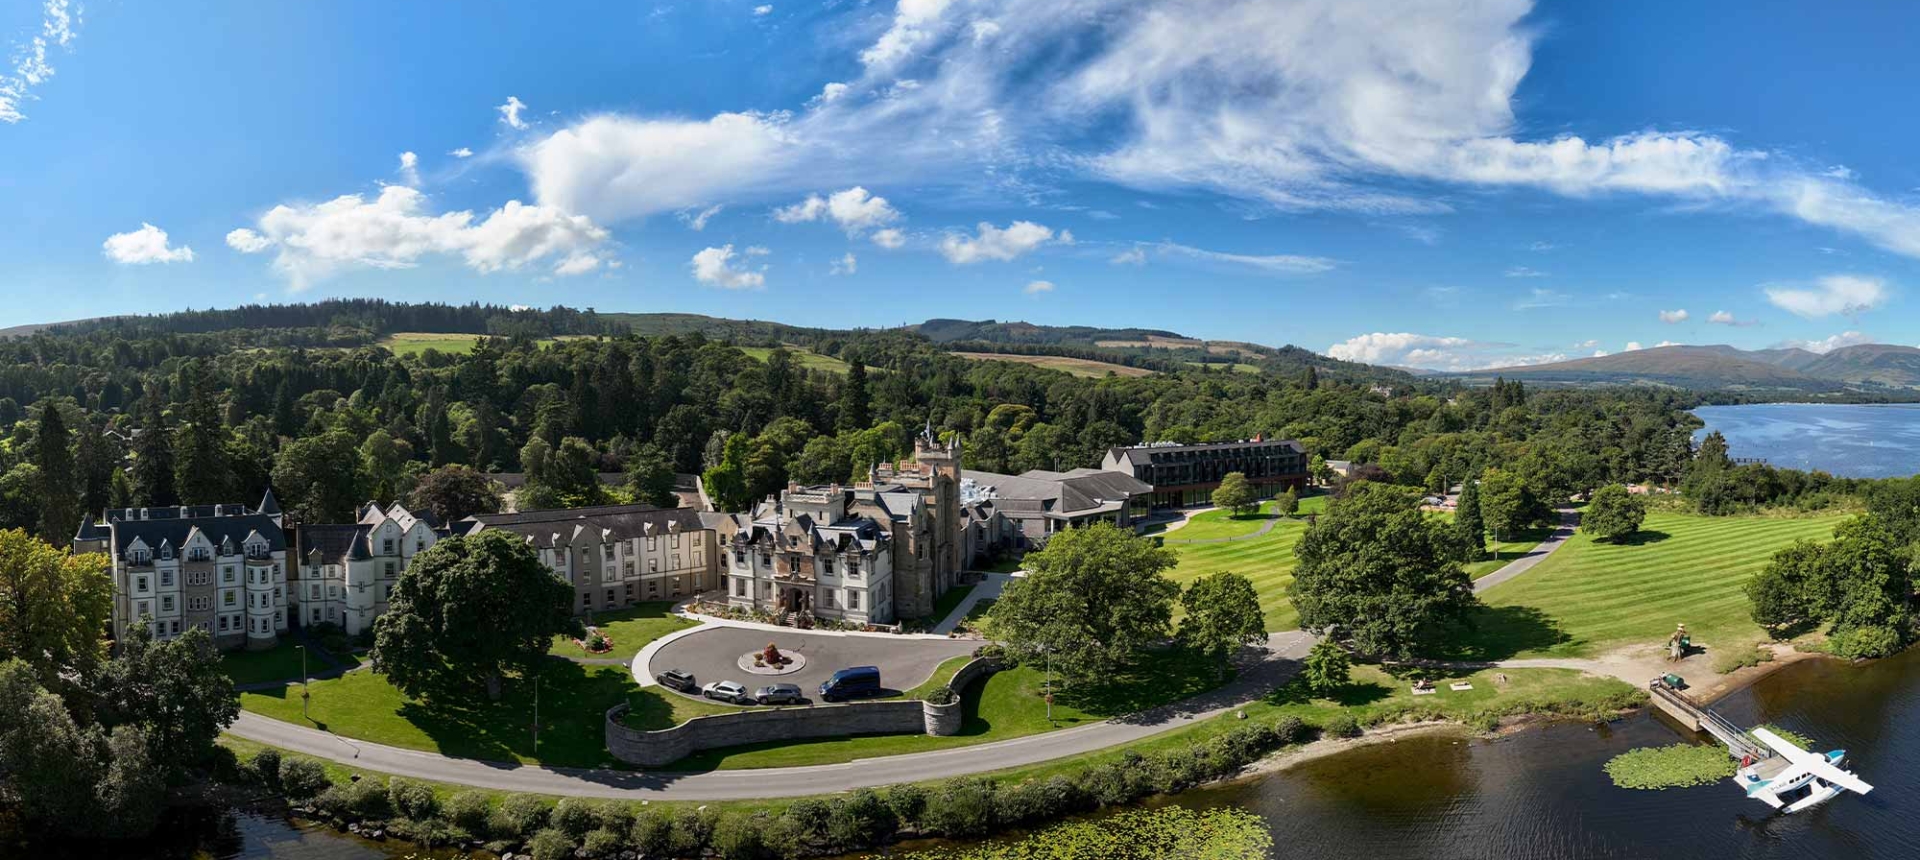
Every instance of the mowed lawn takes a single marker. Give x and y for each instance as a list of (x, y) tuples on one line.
[(573, 703), (416, 342), (1267, 560), (1591, 597), (631, 629), (1216, 524), (806, 358)]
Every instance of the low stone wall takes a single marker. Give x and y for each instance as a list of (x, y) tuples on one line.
[(760, 725)]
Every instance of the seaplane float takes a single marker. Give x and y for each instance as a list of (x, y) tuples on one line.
[(1793, 779)]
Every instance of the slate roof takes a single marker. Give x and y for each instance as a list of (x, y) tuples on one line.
[(218, 529), (598, 524), (1140, 455), (1059, 494)]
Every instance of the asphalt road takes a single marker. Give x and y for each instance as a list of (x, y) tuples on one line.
[(712, 655), (1260, 674)]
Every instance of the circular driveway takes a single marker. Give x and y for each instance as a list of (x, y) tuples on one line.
[(710, 655)]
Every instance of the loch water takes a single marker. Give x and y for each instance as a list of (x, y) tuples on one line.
[(1850, 441)]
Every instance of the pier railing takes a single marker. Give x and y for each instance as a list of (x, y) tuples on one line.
[(1693, 715)]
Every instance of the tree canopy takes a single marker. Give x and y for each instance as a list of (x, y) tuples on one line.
[(1377, 572), (53, 605), (1222, 615), (1860, 583), (1613, 513), (1095, 596), (1234, 493)]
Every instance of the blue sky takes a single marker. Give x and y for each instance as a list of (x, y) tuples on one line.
[(1495, 183)]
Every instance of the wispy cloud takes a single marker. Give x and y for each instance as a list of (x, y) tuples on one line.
[(1672, 317), (1523, 272), (1275, 264), (1728, 319), (1034, 288), (1541, 297), (1435, 352), (1847, 295), (1826, 344), (32, 64)]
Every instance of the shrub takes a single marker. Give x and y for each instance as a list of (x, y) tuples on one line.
[(1865, 641), (1036, 801), (692, 831), (1327, 668), (428, 831), (574, 816), (266, 766), (550, 844), (518, 815), (411, 799), (469, 810), (652, 833), (1288, 730), (961, 807), (302, 778), (908, 802), (1107, 784), (860, 819), (617, 817), (334, 802), (1741, 658), (367, 799), (809, 816), (742, 838), (1340, 724), (602, 843)]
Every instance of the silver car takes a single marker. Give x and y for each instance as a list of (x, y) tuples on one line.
[(727, 691), (780, 694)]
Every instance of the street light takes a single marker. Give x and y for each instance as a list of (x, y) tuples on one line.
[(1048, 650), (305, 695), (536, 716)]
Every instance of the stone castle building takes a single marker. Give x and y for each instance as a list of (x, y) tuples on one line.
[(615, 555), (221, 568), (346, 571)]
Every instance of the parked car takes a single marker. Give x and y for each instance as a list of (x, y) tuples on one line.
[(858, 682), (780, 694), (677, 679), (727, 691)]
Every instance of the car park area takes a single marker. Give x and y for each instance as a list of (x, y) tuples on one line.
[(712, 655)]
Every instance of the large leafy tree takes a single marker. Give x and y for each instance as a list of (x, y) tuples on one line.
[(69, 777), (59, 485), (1234, 493), (467, 613), (1222, 615), (1504, 501), (1613, 513), (176, 691), (53, 605), (453, 493), (1380, 574), (1861, 582), (1096, 597), (318, 478), (650, 477)]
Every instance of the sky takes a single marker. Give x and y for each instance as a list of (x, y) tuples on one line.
[(1450, 186)]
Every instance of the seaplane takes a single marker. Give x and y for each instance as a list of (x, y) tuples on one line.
[(1794, 779)]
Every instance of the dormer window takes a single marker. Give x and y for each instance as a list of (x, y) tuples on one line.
[(166, 552), (140, 556)]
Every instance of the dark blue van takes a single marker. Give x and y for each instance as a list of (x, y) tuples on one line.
[(858, 682)]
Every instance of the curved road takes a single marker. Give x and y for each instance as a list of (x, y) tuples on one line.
[(1258, 674)]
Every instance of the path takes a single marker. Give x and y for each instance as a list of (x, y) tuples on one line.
[(1569, 519), (1276, 520), (1259, 674), (988, 589)]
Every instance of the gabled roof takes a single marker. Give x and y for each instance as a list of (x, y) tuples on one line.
[(598, 524), (269, 504), (154, 532), (1063, 494)]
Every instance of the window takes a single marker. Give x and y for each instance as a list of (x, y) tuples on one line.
[(629, 591), (166, 578), (853, 599), (653, 565), (676, 539), (386, 546), (199, 553), (228, 574), (610, 597), (606, 551), (142, 609), (739, 558), (316, 615), (627, 567), (223, 621), (199, 604), (139, 583), (826, 565), (740, 588), (174, 627), (829, 597), (166, 552), (676, 561), (313, 590), (200, 577), (586, 599), (227, 598), (653, 588), (391, 570), (653, 543), (166, 603), (853, 568), (419, 543)]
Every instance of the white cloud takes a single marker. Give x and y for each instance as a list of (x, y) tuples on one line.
[(846, 265), (1829, 344), (1671, 317), (983, 30), (1633, 346), (1601, 353), (1847, 295), (854, 210), (697, 221), (830, 93), (612, 168), (1134, 256), (1405, 349), (31, 67), (510, 113), (394, 231), (1728, 319), (410, 168), (762, 10), (714, 267), (1587, 344), (756, 251), (1542, 247), (462, 152), (889, 238), (914, 23), (995, 243), (1035, 288), (143, 246), (1278, 264), (1523, 272), (1541, 297), (247, 242)]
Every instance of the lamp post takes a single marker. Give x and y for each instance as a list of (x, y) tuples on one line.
[(536, 716), (305, 695), (1048, 650)]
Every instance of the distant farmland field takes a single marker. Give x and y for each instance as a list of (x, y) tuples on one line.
[(1075, 366), (416, 342)]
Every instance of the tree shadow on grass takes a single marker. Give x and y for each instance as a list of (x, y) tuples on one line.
[(1643, 537), (1502, 632), (1159, 678), (1350, 695), (573, 703)]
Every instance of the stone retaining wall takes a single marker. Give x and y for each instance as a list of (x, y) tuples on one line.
[(760, 725)]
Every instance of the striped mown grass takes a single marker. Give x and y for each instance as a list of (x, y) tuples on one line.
[(1267, 560), (1591, 597)]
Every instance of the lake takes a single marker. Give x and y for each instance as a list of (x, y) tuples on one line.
[(1538, 794), (1877, 441)]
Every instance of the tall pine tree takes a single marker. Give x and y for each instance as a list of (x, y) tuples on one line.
[(854, 400), (202, 468), (153, 458), (59, 488), (97, 462)]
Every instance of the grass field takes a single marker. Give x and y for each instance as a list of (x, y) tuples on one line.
[(1075, 366), (1225, 524), (1501, 553), (1372, 696), (801, 356), (631, 630), (279, 663), (1238, 367), (1008, 704), (573, 704), (1267, 560), (416, 342), (1590, 597)]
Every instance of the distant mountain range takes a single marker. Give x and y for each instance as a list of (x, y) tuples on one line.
[(1865, 367)]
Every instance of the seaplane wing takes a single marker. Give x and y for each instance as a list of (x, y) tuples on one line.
[(1805, 762)]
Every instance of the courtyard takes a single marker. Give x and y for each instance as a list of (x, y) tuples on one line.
[(713, 654)]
